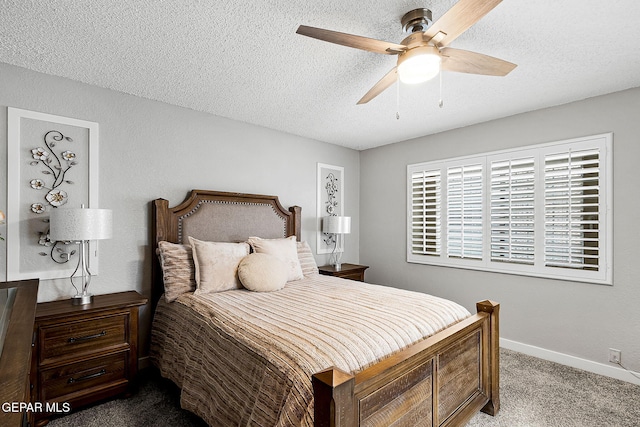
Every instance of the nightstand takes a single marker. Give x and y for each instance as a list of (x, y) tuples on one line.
[(347, 271), (84, 353)]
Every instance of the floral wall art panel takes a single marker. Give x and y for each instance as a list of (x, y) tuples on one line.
[(52, 164), (330, 202)]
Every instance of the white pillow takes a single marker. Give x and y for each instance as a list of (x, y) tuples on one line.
[(216, 265), (285, 250), (262, 273)]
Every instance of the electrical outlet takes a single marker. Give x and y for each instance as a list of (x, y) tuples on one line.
[(615, 356)]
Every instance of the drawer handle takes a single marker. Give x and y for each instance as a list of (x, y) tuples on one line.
[(88, 337), (87, 377)]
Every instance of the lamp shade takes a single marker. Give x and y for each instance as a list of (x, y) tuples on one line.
[(336, 224), (80, 224)]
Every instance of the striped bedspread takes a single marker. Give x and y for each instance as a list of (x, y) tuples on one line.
[(245, 359)]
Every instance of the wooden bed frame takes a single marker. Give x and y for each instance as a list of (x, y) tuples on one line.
[(440, 381)]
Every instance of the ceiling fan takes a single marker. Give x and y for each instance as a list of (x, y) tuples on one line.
[(425, 52)]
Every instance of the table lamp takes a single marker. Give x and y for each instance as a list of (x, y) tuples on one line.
[(338, 226), (80, 226)]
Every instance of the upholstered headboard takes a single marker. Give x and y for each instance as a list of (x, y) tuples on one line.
[(219, 217)]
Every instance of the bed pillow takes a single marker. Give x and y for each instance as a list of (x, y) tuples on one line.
[(284, 249), (178, 271), (216, 265), (262, 273), (306, 259)]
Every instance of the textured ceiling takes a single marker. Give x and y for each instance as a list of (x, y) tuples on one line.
[(241, 59)]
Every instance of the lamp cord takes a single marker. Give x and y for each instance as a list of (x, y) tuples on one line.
[(440, 102), (81, 261), (333, 252), (336, 256), (398, 99), (74, 273), (335, 244), (627, 369)]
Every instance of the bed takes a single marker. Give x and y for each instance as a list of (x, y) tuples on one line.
[(322, 351)]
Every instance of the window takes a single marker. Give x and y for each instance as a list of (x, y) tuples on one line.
[(464, 211), (541, 210), (425, 212), (511, 206)]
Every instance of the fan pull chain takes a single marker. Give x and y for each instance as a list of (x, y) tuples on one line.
[(440, 102), (398, 99)]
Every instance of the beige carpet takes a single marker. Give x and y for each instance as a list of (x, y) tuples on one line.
[(534, 393), (538, 393)]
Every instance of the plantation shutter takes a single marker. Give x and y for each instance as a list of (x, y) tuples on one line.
[(464, 211), (425, 212), (512, 205), (572, 209), (541, 210)]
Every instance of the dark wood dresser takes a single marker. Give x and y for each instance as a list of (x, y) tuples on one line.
[(347, 271), (15, 360), (84, 353)]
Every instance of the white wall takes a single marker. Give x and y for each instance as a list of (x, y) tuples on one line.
[(577, 319), (150, 149)]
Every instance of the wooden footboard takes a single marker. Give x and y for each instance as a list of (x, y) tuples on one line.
[(441, 381)]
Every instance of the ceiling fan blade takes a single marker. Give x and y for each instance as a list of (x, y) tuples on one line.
[(349, 40), (458, 19), (464, 61), (389, 79)]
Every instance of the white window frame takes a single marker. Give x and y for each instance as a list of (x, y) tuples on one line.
[(604, 274)]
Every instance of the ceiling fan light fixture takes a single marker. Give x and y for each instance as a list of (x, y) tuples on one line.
[(418, 65)]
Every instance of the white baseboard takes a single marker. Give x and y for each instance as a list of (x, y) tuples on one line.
[(575, 362)]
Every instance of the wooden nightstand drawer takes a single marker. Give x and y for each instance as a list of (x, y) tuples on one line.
[(84, 376), (347, 271), (68, 340)]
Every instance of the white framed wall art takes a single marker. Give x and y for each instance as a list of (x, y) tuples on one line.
[(330, 203), (52, 163)]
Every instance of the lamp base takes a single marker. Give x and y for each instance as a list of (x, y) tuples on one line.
[(337, 266), (81, 299)]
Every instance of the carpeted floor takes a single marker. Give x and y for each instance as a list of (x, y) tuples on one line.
[(538, 393), (534, 393)]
